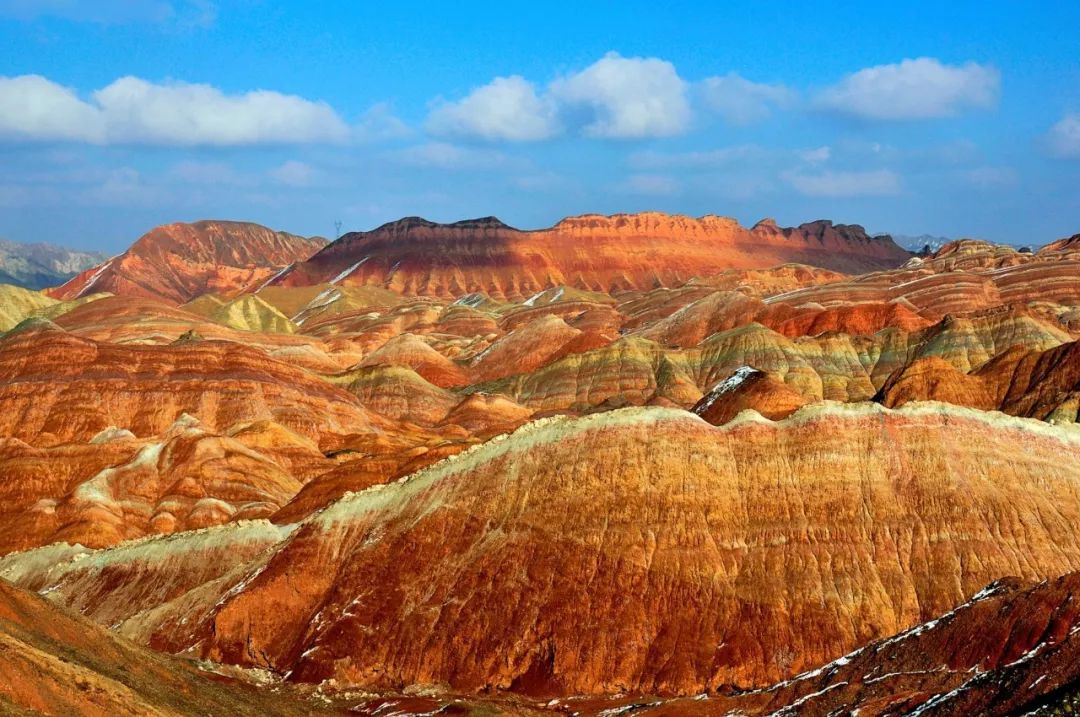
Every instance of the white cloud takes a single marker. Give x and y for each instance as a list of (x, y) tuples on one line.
[(873, 183), (441, 155), (724, 156), (816, 156), (380, 123), (190, 171), (293, 173), (740, 101), (134, 111), (651, 184), (191, 114), (626, 97), (923, 88), (33, 107), (1065, 136), (615, 97), (507, 108)]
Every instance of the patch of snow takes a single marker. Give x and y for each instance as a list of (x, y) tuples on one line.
[(793, 709), (350, 270), (471, 300), (93, 279), (532, 299), (324, 299), (728, 385), (280, 273), (938, 699), (627, 709)]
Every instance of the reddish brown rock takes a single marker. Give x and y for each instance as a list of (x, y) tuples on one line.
[(410, 351), (563, 558), (55, 663), (745, 389), (56, 387), (627, 251), (1021, 382), (178, 262)]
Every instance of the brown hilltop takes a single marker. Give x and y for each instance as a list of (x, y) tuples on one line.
[(748, 388), (58, 387), (178, 262), (1019, 381), (602, 253)]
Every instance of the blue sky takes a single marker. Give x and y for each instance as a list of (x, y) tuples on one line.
[(117, 115)]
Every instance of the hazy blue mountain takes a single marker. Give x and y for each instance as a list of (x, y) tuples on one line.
[(37, 266)]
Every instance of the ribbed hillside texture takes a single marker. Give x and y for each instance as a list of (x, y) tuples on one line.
[(59, 664), (598, 253), (394, 474), (639, 551), (178, 262)]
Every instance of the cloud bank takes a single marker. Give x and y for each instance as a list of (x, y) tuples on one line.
[(923, 88), (134, 111)]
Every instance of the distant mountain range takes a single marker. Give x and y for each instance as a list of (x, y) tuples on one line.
[(917, 243), (37, 266)]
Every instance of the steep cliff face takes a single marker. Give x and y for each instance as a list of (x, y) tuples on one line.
[(601, 253), (639, 551), (55, 663), (178, 262)]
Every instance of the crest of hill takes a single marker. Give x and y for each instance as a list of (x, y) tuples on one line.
[(178, 262), (414, 256)]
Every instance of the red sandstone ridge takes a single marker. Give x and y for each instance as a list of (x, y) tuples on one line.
[(603, 253), (178, 262), (638, 551), (53, 663)]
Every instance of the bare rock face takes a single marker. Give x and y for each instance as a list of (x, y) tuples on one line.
[(57, 387), (599, 253), (745, 389), (639, 551), (178, 262), (55, 663), (1011, 649), (1021, 382)]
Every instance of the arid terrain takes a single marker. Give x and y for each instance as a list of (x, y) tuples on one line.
[(627, 465)]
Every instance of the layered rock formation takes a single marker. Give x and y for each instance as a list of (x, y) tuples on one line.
[(637, 551), (1021, 382), (748, 389), (622, 252), (58, 387), (178, 262), (224, 459), (55, 663)]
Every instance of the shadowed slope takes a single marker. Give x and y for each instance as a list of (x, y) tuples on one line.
[(54, 663), (621, 252)]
